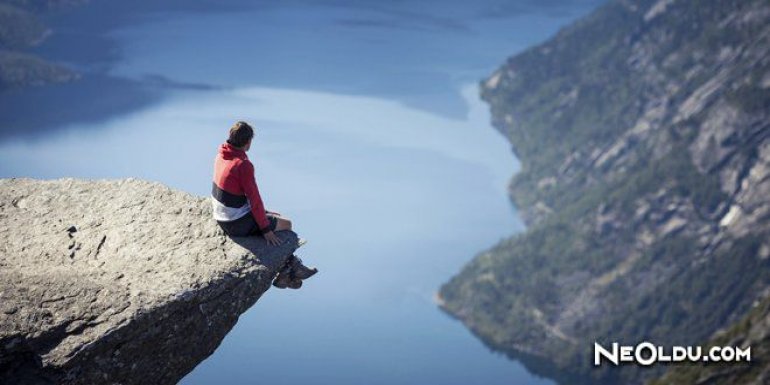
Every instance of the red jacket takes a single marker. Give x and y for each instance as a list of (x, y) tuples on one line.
[(234, 190)]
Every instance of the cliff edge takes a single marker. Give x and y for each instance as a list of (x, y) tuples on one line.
[(118, 281)]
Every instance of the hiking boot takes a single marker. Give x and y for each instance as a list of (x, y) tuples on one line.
[(300, 271), (295, 283), (284, 278)]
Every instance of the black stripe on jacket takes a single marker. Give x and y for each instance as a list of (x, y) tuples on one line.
[(226, 198)]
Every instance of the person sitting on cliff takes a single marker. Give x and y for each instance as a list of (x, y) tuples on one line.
[(238, 207)]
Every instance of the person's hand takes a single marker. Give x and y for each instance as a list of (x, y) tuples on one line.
[(276, 213), (272, 239)]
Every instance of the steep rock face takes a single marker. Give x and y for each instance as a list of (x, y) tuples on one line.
[(121, 281), (753, 331), (644, 136)]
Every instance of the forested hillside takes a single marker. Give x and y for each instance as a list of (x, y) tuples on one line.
[(644, 136)]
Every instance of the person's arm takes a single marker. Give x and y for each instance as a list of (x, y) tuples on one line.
[(251, 191)]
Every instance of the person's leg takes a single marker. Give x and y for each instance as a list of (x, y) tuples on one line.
[(240, 227), (294, 271), (282, 224)]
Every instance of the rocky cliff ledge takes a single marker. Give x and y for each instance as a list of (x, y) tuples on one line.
[(118, 281)]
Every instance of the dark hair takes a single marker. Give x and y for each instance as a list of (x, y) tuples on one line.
[(240, 134)]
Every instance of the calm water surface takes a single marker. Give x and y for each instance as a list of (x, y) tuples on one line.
[(370, 136)]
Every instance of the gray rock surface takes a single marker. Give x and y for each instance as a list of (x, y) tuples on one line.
[(118, 281)]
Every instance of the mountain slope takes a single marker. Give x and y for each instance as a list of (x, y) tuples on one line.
[(20, 31), (644, 137), (753, 331)]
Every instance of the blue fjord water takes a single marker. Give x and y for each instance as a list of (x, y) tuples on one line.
[(370, 136)]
